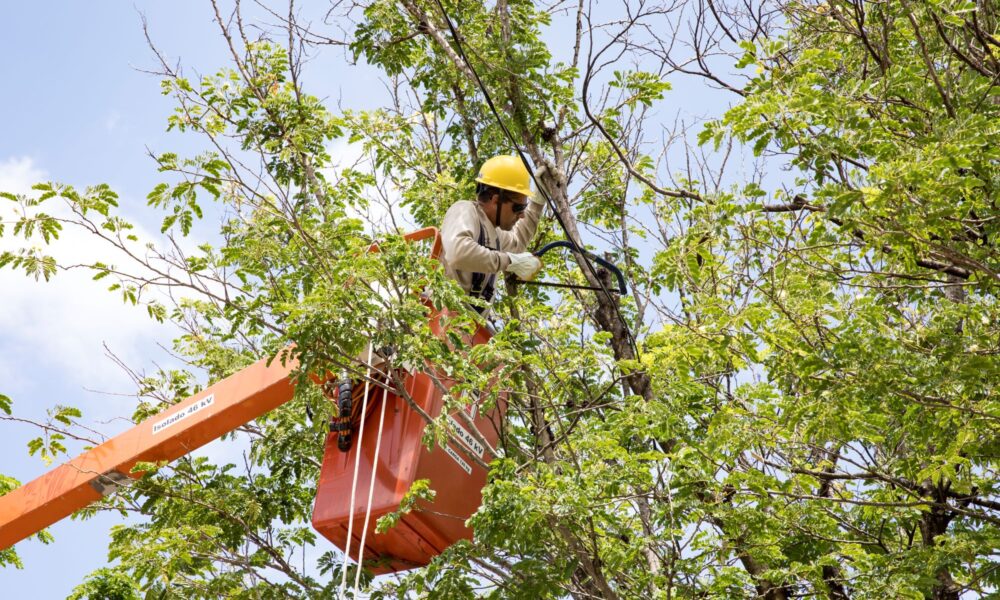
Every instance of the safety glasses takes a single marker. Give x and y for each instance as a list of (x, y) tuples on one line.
[(517, 202)]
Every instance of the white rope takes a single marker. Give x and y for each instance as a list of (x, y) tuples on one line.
[(371, 487), (354, 484)]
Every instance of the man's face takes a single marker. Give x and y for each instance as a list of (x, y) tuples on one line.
[(511, 210)]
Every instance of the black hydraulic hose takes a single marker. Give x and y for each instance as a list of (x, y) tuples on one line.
[(622, 288)]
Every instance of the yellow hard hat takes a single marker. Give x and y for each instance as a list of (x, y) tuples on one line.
[(507, 173)]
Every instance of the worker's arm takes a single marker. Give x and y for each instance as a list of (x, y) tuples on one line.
[(516, 240), (459, 236)]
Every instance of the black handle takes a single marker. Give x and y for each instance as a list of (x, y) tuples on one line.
[(622, 289)]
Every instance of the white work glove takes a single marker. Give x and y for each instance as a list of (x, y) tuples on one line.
[(524, 264), (537, 197)]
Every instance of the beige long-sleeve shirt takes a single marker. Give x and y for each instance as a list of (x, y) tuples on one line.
[(463, 255)]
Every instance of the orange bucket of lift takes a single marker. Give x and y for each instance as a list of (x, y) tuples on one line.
[(402, 459)]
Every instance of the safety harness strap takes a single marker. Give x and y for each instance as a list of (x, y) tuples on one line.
[(484, 285)]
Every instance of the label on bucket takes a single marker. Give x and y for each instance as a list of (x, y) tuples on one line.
[(180, 416), (461, 461), (465, 437)]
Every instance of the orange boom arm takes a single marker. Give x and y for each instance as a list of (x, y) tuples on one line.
[(194, 422)]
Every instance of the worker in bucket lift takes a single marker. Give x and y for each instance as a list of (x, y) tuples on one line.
[(479, 239), (489, 236)]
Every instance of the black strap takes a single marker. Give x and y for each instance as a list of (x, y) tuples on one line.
[(483, 284)]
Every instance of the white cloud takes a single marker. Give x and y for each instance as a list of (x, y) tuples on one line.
[(52, 337), (52, 334), (18, 173), (57, 329)]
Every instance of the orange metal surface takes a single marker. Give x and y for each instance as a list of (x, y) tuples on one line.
[(420, 235), (402, 459), (171, 434)]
